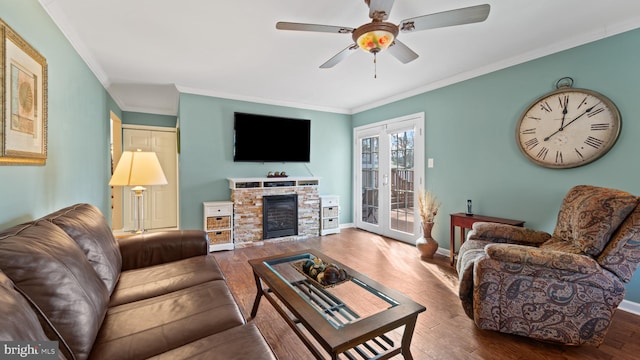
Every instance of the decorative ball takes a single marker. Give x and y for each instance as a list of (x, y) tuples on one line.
[(342, 275), (317, 260), (307, 265), (314, 271), (331, 275), (320, 278), (282, 173)]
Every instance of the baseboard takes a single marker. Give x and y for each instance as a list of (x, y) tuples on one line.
[(625, 305), (630, 306)]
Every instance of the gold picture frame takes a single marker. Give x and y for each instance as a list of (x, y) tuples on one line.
[(23, 85)]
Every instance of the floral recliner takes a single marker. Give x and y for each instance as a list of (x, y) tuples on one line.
[(563, 287)]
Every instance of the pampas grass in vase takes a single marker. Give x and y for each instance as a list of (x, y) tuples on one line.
[(428, 205)]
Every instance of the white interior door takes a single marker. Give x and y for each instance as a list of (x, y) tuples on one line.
[(389, 158), (160, 202)]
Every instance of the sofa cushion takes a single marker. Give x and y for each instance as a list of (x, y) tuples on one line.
[(555, 244), (622, 255), (88, 227), (51, 269), (17, 319), (238, 343), (156, 325), (589, 215), (143, 283)]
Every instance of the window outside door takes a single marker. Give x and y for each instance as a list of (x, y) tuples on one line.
[(389, 171)]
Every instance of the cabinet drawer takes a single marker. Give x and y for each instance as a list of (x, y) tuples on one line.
[(217, 210), (330, 211), (219, 237), (329, 201), (329, 223), (218, 222)]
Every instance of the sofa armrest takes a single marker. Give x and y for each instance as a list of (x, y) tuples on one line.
[(155, 248), (549, 259), (503, 233)]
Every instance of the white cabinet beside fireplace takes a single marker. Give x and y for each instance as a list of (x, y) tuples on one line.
[(329, 214), (218, 223)]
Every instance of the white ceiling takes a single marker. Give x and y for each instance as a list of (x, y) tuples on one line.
[(146, 51)]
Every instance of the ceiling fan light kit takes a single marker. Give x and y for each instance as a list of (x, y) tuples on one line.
[(379, 35), (375, 37)]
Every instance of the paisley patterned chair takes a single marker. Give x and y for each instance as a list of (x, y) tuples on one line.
[(560, 288)]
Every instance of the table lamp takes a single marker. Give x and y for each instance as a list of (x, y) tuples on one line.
[(138, 169)]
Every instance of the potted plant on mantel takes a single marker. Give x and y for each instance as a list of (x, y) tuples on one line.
[(428, 205)]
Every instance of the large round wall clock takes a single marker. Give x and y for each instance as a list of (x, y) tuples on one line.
[(568, 127)]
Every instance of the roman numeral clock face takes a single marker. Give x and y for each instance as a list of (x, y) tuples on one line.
[(568, 128)]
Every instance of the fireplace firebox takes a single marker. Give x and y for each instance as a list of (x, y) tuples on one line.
[(279, 216)]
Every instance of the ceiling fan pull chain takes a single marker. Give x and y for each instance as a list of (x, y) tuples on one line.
[(375, 66)]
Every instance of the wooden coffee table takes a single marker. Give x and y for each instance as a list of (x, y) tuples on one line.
[(355, 319)]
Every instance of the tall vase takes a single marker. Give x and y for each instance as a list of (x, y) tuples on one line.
[(426, 244)]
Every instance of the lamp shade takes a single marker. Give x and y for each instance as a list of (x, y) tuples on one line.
[(138, 168)]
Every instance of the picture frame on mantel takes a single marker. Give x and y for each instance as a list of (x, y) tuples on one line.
[(23, 85)]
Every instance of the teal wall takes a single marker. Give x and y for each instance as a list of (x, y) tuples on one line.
[(77, 168), (206, 157), (137, 118), (470, 134)]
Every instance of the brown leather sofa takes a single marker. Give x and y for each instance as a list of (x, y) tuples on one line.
[(158, 295)]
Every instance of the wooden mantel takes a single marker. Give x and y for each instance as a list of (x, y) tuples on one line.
[(269, 182)]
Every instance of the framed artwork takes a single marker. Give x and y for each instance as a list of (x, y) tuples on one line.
[(23, 84)]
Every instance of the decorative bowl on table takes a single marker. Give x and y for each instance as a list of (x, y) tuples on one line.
[(321, 273)]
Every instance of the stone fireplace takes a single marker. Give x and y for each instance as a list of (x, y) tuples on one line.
[(279, 216), (248, 196)]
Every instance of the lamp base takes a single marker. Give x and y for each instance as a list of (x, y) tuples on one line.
[(138, 215)]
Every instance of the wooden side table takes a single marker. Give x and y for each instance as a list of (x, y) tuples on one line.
[(465, 221)]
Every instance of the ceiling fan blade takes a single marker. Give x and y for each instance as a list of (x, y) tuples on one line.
[(339, 56), (446, 18), (401, 52), (379, 8), (281, 25)]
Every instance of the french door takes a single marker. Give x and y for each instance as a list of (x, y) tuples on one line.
[(389, 170)]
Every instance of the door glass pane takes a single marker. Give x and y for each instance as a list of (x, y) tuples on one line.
[(370, 165), (402, 184)]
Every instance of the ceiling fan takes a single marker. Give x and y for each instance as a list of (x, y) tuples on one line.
[(379, 35)]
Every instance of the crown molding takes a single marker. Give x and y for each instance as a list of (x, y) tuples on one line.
[(606, 31), (59, 18), (57, 15)]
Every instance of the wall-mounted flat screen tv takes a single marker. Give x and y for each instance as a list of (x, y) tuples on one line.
[(263, 138)]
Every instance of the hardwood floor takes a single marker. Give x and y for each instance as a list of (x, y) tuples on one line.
[(442, 332)]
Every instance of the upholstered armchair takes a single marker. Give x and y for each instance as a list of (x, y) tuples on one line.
[(563, 287)]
